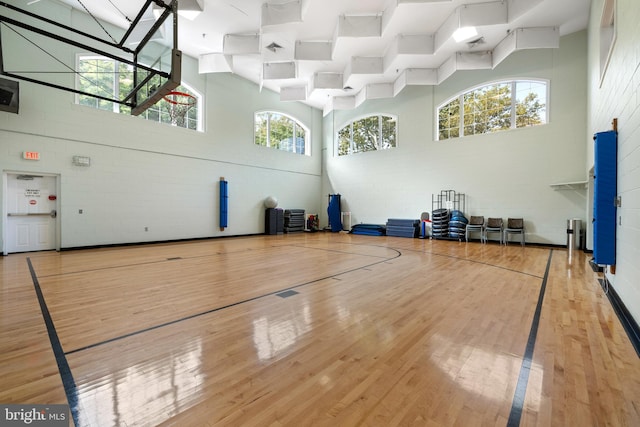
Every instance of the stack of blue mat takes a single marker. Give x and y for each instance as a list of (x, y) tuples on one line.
[(403, 227), (457, 225), (368, 229)]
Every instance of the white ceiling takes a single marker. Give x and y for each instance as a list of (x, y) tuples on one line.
[(403, 42)]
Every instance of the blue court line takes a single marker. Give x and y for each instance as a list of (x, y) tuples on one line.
[(525, 369), (68, 382)]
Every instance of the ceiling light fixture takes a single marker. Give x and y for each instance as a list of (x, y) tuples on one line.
[(464, 33)]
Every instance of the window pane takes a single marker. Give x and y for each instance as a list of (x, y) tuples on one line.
[(96, 76), (281, 132), (449, 120), (153, 114), (125, 84), (531, 98), (500, 107), (260, 129), (192, 118), (366, 134), (300, 140), (344, 140), (388, 132)]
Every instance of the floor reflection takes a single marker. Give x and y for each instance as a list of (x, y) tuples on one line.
[(271, 337), (147, 393), (491, 375)]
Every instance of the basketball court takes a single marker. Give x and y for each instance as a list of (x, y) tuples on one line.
[(317, 329), (307, 329)]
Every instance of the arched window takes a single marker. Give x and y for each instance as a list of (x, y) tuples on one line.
[(281, 132), (110, 78), (370, 133), (494, 107)]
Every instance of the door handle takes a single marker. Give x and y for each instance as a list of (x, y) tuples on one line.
[(52, 214)]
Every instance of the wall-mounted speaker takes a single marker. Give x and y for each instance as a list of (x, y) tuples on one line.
[(9, 96)]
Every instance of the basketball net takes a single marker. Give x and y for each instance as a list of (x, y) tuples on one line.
[(179, 105)]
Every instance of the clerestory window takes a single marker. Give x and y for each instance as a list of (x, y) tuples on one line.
[(370, 133), (494, 107), (281, 132), (112, 79)]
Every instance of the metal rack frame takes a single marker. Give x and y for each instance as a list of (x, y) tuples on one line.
[(448, 199)]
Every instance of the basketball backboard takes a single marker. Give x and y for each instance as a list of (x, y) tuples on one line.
[(145, 63)]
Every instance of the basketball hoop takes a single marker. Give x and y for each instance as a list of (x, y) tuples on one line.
[(179, 105)]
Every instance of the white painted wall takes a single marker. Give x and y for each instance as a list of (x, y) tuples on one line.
[(153, 175), (619, 97), (506, 174)]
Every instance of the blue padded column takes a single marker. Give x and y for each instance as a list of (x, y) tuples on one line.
[(333, 210), (224, 203), (604, 196)]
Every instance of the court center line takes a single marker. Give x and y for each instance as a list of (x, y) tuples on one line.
[(213, 310), (68, 382), (216, 254), (523, 378)]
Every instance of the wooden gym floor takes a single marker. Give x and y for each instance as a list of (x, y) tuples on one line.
[(316, 329)]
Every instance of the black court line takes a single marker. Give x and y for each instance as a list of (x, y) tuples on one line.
[(525, 369), (347, 252), (179, 258), (213, 310), (475, 262), (63, 366)]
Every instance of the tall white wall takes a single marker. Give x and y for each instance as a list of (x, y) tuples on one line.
[(154, 175), (506, 174), (618, 96)]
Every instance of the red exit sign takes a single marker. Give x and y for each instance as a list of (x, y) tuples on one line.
[(31, 155)]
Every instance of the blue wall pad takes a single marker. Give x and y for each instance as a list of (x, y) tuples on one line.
[(224, 203), (604, 196), (334, 213)]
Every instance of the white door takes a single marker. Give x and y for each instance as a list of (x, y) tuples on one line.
[(31, 213)]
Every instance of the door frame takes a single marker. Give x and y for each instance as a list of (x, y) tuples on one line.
[(5, 220)]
